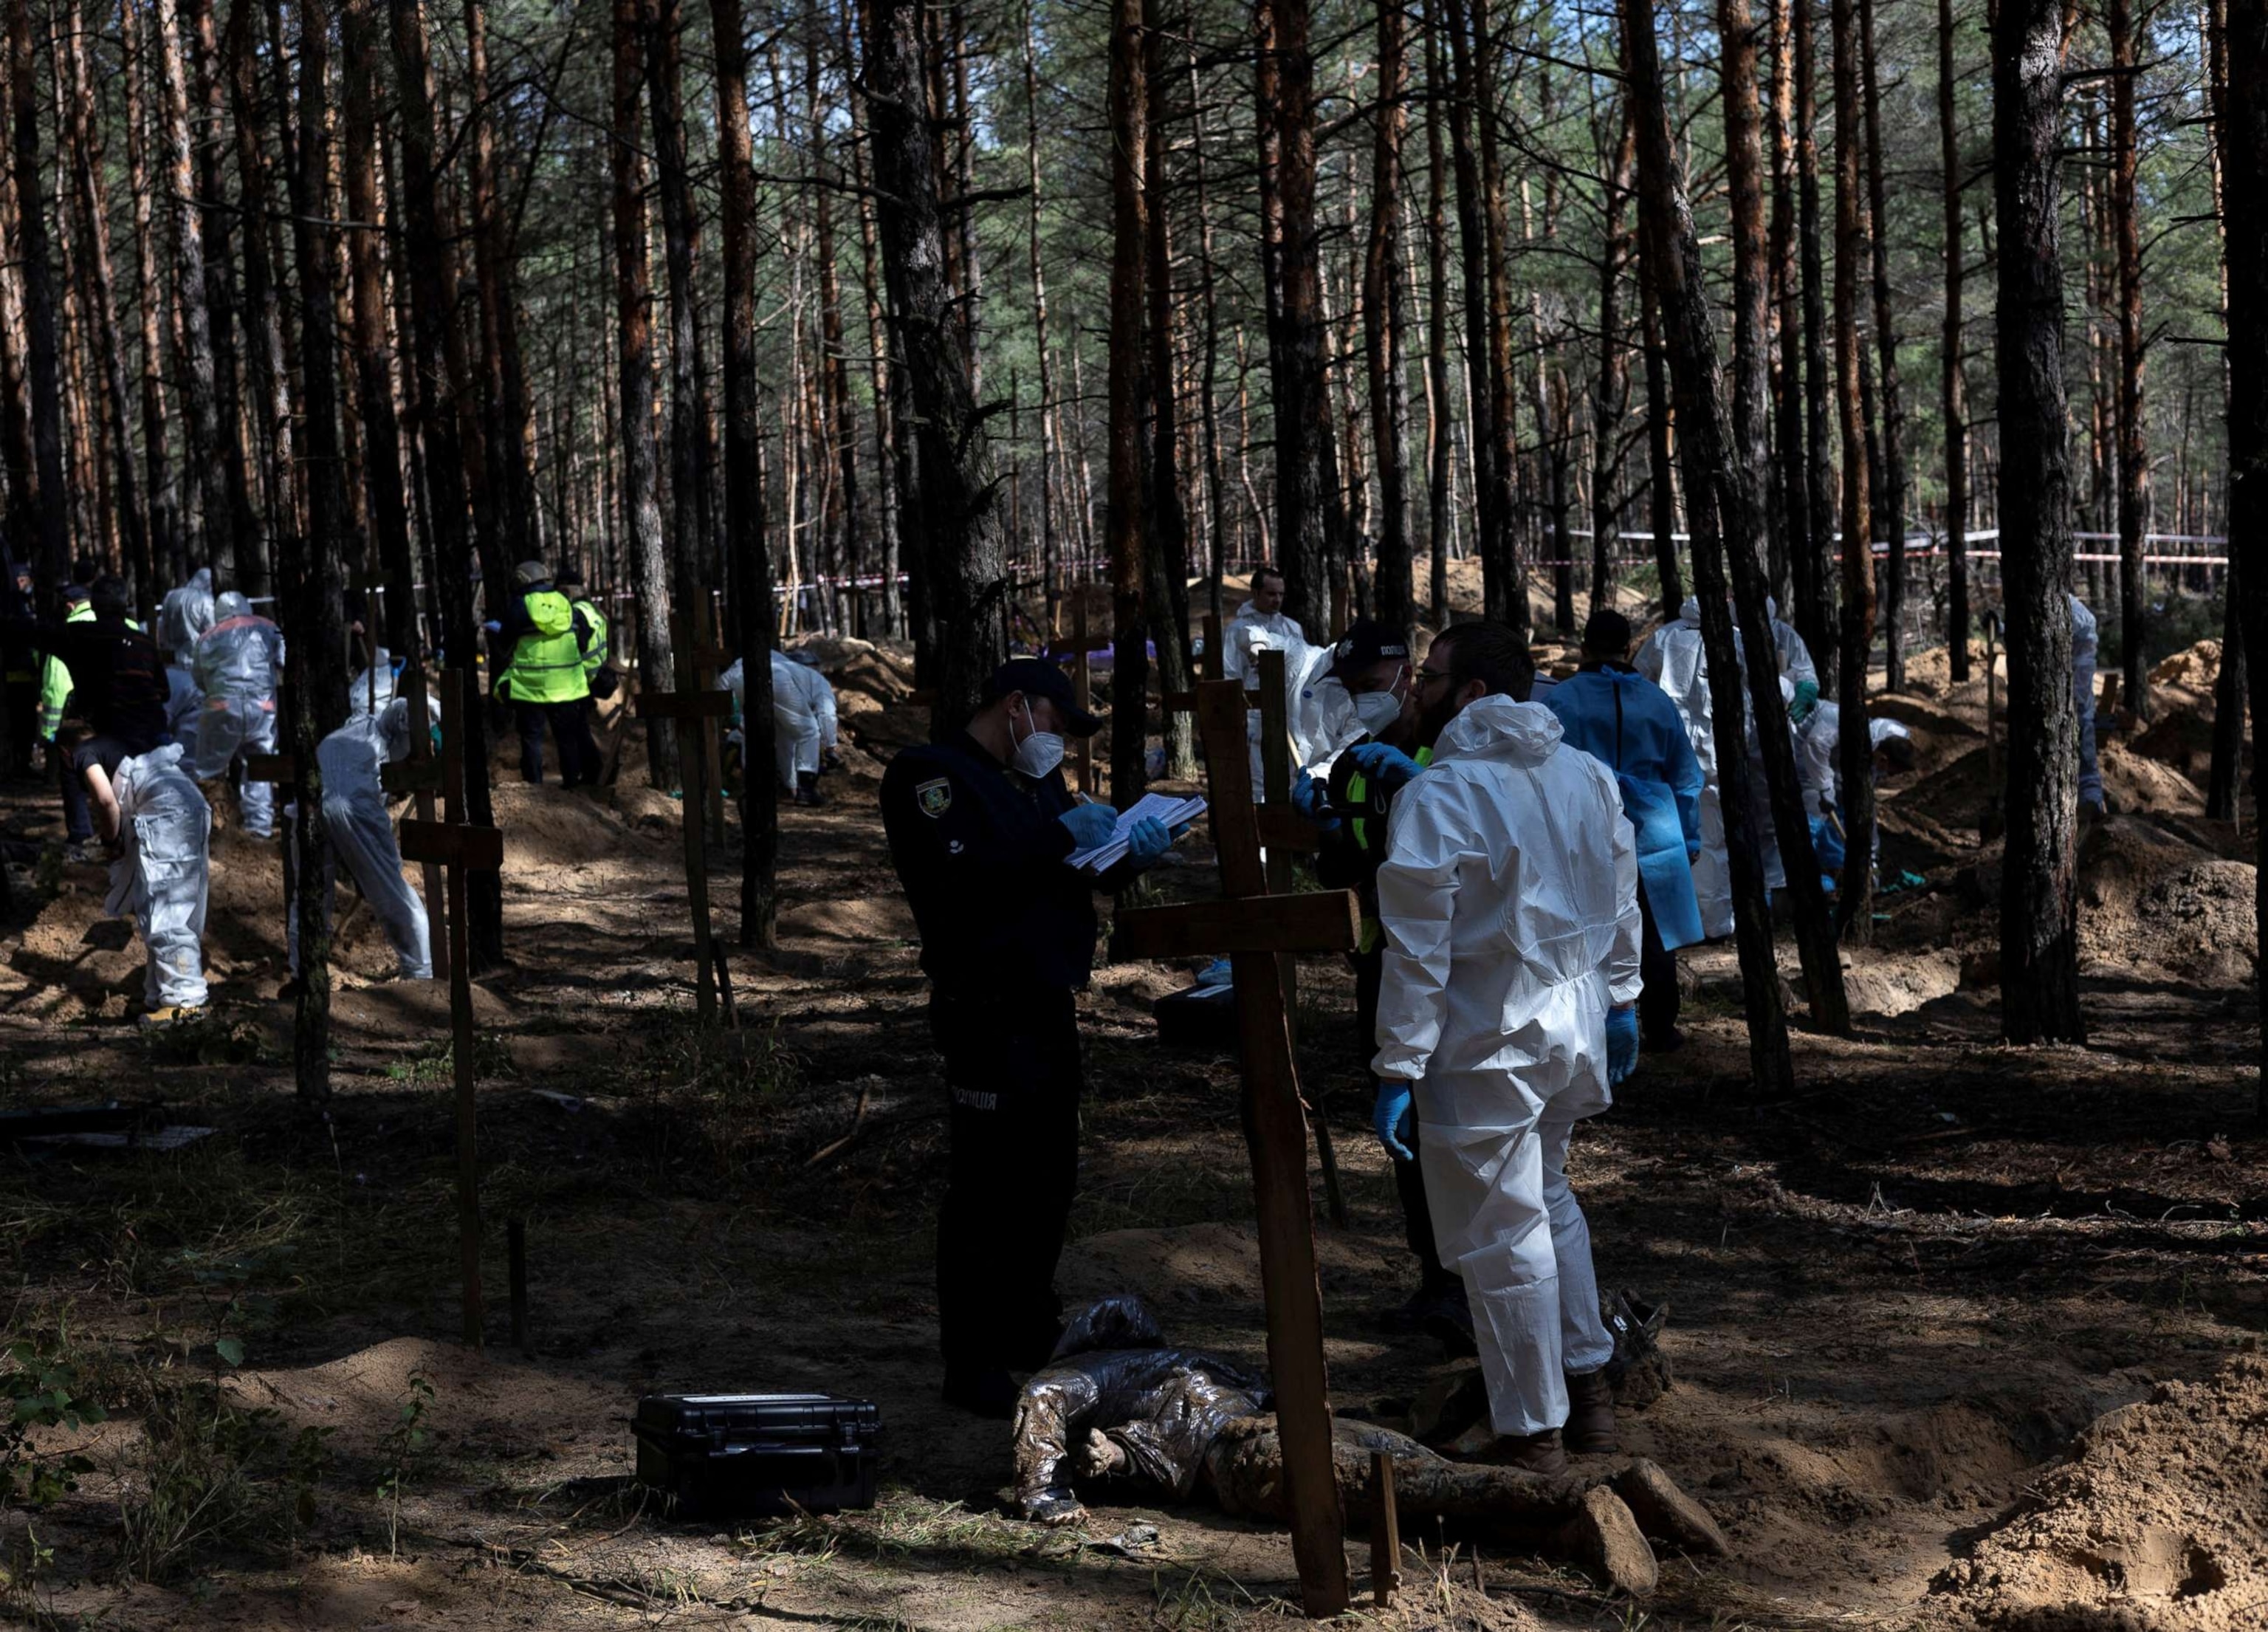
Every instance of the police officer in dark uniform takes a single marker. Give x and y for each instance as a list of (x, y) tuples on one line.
[(981, 829)]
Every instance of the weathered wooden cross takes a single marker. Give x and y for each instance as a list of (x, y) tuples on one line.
[(1083, 645), (1255, 928), (694, 704), (456, 845), (699, 659)]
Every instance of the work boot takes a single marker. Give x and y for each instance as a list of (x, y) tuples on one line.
[(1591, 1414), (171, 1014), (981, 1391), (806, 788), (1533, 1453)]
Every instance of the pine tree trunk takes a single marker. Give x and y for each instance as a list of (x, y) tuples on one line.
[(1166, 535), (1131, 205), (1891, 498), (2039, 902), (1382, 309), (1503, 464), (634, 319), (689, 456), (443, 380), (1789, 518), (316, 652), (747, 552), (2133, 450), (1854, 907), (1491, 515), (2245, 181), (1661, 492), (1302, 407), (1208, 381), (951, 505), (1673, 258), (267, 384), (1438, 438), (1955, 410), (2224, 796), (884, 373), (247, 525), (199, 412), (1814, 612), (165, 513), (507, 415), (373, 346), (1610, 396), (1751, 279), (53, 563)]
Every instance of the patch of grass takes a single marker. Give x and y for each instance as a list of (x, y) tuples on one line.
[(903, 1526), (1203, 1600), (435, 1066), (206, 1039), (45, 1385), (712, 1096), (214, 1478)]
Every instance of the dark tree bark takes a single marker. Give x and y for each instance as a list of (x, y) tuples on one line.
[(1673, 257), (1381, 308), (2223, 795), (634, 320), (1814, 612), (316, 652), (689, 456), (505, 414), (165, 544), (884, 372), (951, 510), (1890, 500), (2244, 180), (1166, 535), (443, 379), (374, 345), (1751, 283), (2133, 450), (1660, 476), (1956, 399), (1855, 903), (1209, 382), (200, 413), (53, 561), (1130, 206), (249, 525), (1510, 570), (1438, 438), (1611, 397), (1491, 510), (266, 376), (1789, 517), (747, 554), (2039, 902)]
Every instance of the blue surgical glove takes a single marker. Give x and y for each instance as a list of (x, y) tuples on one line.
[(493, 627), (1090, 825), (1622, 1043), (1390, 766), (1146, 840), (1390, 1114), (1312, 800), (1827, 844), (1807, 698)]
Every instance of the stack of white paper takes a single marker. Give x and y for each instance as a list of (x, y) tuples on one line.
[(1164, 808)]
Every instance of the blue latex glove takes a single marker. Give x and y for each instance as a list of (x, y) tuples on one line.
[(1090, 825), (1146, 840), (1827, 844), (1807, 698), (1390, 1114), (1622, 1043), (493, 627), (1389, 765), (1312, 800)]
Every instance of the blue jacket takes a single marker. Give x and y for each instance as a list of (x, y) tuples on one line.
[(1628, 723)]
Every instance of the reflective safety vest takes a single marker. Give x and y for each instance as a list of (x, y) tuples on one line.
[(594, 655), (56, 680), (547, 660)]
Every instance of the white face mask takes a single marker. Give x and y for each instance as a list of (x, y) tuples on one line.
[(1377, 711), (1040, 752)]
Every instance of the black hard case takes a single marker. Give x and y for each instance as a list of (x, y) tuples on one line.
[(758, 1453)]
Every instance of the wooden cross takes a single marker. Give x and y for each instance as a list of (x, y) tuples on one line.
[(687, 707), (699, 658), (1209, 668), (456, 845), (1253, 927), (1082, 685)]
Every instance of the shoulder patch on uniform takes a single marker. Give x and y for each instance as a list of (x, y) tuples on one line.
[(935, 797)]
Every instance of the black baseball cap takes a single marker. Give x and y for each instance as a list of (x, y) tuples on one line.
[(1035, 676), (1367, 641)]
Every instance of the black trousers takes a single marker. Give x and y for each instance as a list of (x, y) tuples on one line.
[(1012, 1073), (23, 720), (571, 730), (78, 821), (1657, 966), (1409, 1178)]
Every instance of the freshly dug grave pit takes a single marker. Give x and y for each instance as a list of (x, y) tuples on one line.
[(2152, 1523)]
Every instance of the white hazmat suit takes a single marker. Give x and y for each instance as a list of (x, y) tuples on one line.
[(184, 615), (2083, 636), (379, 731), (1509, 897), (803, 717), (238, 663), (1249, 633), (161, 878)]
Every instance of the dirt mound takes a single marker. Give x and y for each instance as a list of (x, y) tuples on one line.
[(860, 669), (1202, 1263), (2153, 904), (2137, 782), (2193, 669), (2149, 1525), (549, 826)]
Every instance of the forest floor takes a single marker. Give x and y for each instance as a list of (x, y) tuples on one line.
[(1896, 1297)]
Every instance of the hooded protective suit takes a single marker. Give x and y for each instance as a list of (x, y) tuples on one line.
[(161, 878), (1816, 762), (1239, 661), (184, 615), (378, 730), (2082, 692), (237, 665), (1509, 896), (1624, 723), (1795, 664), (803, 717)]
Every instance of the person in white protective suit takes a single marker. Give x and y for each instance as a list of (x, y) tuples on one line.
[(1795, 665), (1675, 659), (1263, 617), (183, 616), (804, 732), (1509, 897), (237, 666), (1818, 766), (2091, 799), (379, 730), (160, 876)]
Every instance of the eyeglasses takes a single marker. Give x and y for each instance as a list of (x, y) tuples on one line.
[(1426, 676)]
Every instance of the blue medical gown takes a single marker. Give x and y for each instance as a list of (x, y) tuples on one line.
[(1628, 723)]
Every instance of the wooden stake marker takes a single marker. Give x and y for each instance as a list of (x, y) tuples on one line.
[(1385, 1532), (1257, 927), (693, 706)]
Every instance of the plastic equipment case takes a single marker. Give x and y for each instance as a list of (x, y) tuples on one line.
[(758, 1453)]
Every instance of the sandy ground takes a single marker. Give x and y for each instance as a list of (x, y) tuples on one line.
[(1899, 1299)]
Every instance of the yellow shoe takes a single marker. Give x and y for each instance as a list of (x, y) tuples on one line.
[(173, 1015)]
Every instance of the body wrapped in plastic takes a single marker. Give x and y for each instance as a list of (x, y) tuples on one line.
[(162, 874), (237, 665)]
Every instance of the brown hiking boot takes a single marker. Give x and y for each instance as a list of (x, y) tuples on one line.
[(1590, 1429), (1534, 1453)]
